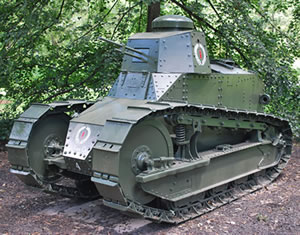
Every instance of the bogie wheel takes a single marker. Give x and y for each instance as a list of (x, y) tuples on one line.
[(149, 138), (46, 140)]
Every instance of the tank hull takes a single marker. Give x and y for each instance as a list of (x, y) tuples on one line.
[(177, 136)]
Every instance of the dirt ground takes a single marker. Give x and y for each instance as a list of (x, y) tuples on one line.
[(25, 210)]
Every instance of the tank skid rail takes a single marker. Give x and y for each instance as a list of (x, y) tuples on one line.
[(212, 201), (18, 150), (185, 166)]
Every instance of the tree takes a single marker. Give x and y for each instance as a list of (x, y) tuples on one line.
[(153, 12)]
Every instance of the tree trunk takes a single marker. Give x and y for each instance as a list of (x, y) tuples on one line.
[(153, 12)]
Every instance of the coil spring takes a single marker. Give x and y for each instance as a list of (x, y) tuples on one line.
[(180, 133)]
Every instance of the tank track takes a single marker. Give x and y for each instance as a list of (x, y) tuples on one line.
[(61, 190), (66, 191), (32, 179), (212, 202), (235, 189)]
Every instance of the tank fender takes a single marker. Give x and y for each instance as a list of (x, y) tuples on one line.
[(116, 129), (18, 139)]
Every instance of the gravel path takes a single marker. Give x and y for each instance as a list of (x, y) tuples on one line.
[(25, 210)]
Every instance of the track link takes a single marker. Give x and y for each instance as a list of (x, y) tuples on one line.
[(67, 191)]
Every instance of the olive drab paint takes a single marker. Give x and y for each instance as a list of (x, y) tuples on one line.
[(178, 135)]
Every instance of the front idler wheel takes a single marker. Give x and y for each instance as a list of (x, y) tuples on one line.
[(146, 143), (46, 143)]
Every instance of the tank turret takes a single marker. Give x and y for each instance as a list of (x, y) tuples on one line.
[(172, 63), (174, 46)]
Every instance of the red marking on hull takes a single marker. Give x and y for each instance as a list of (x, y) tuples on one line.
[(200, 54)]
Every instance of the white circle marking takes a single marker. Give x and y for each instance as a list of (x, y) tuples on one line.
[(196, 50)]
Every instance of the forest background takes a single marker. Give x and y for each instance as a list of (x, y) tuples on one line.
[(49, 49)]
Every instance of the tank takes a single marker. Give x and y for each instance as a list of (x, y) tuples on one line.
[(178, 135)]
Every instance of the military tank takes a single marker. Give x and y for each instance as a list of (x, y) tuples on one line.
[(178, 135)]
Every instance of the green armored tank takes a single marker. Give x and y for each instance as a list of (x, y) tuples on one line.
[(177, 136)]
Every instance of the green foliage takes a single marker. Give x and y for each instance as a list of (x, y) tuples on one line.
[(6, 122), (49, 48)]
